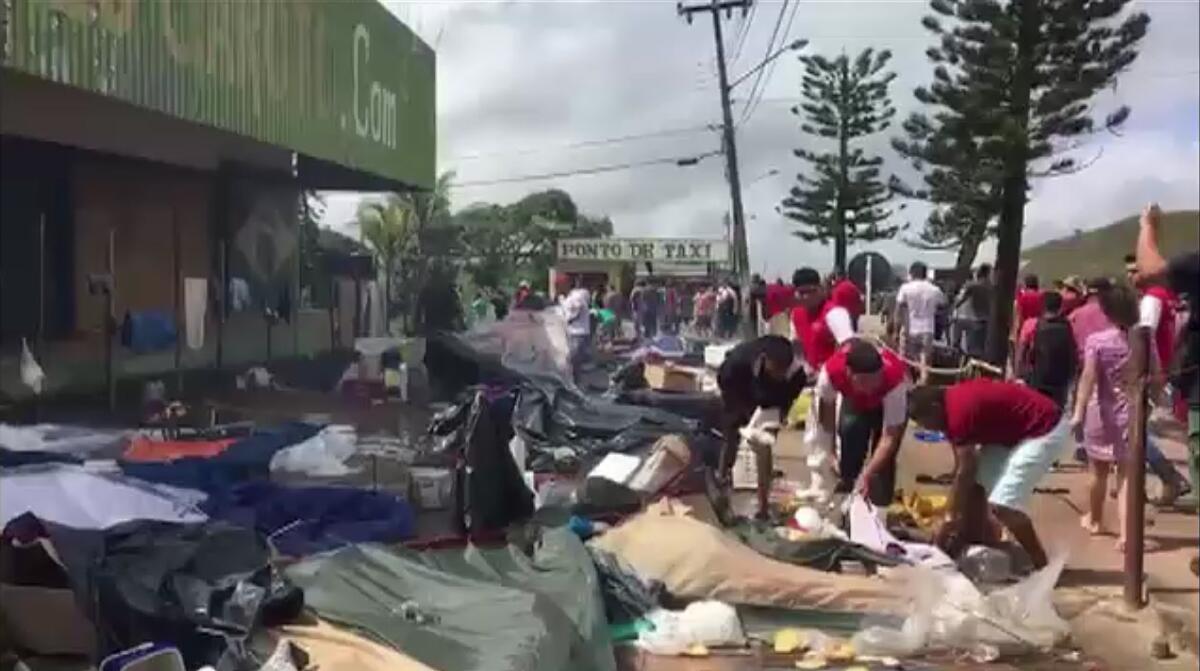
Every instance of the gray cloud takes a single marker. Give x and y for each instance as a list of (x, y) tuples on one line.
[(519, 76)]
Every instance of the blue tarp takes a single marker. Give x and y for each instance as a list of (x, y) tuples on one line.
[(247, 459), (313, 519)]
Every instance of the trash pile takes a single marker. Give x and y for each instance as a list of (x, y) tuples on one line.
[(586, 529)]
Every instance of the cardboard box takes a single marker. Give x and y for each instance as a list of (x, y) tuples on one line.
[(668, 377)]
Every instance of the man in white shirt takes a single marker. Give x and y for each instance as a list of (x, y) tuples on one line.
[(576, 309), (918, 301)]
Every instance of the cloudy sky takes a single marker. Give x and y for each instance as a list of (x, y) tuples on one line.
[(528, 88)]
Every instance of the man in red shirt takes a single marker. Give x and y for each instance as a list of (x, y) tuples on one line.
[(1028, 305), (777, 307), (873, 385), (820, 324), (845, 293), (1006, 436)]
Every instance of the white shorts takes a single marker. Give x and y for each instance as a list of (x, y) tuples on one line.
[(1010, 474)]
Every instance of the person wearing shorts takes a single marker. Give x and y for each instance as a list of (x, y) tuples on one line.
[(1006, 437)]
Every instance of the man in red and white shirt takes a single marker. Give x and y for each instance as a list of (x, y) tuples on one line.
[(873, 385), (1006, 436), (819, 323)]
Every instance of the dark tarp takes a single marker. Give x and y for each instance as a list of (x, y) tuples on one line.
[(304, 520), (208, 589), (490, 493), (703, 407), (826, 554), (247, 459), (469, 609), (626, 596)]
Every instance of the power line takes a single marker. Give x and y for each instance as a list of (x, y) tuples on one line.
[(741, 42), (752, 106), (770, 47), (590, 143), (676, 160)]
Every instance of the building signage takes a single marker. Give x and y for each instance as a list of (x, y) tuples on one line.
[(674, 250), (341, 81)]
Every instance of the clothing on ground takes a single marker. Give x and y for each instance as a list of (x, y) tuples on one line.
[(988, 412)]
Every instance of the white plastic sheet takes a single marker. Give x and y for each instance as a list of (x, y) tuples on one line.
[(323, 455), (951, 613), (78, 497)]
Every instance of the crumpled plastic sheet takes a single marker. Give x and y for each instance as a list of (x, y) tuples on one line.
[(951, 613), (323, 455), (61, 438)]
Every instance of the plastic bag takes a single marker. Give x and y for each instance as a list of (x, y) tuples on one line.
[(949, 612), (32, 374), (323, 455), (707, 623)]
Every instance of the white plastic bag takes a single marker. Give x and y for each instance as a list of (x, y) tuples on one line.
[(31, 372), (707, 623), (324, 455)]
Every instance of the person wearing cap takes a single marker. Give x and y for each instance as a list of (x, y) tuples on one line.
[(873, 384), (759, 373), (1006, 436), (1072, 295), (819, 323)]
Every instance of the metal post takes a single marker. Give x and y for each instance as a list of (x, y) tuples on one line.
[(177, 291), (870, 267), (741, 254), (1135, 468), (41, 309), (110, 321)]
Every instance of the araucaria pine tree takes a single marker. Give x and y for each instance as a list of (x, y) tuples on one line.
[(842, 198), (1011, 99)]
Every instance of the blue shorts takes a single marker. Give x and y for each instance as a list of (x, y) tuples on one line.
[(1009, 474)]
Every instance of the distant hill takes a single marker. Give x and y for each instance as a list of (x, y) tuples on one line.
[(1100, 251)]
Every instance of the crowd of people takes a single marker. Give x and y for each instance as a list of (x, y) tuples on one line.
[(1067, 375)]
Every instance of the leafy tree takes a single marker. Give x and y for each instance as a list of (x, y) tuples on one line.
[(843, 198), (1012, 91), (388, 227), (509, 243)]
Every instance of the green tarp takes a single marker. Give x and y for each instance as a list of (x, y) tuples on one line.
[(469, 609)]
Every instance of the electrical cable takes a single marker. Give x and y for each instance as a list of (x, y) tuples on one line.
[(752, 104), (745, 31), (677, 160), (770, 48), (589, 143)]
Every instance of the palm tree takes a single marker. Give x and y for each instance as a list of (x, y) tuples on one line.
[(387, 227), (397, 228)]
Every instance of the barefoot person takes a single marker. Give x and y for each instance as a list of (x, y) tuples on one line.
[(760, 373), (873, 385), (1006, 436)]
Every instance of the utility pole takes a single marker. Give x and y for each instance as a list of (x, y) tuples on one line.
[(741, 254)]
